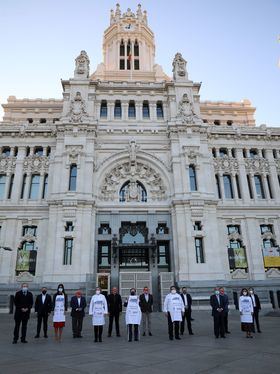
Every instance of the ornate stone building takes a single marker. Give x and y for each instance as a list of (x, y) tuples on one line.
[(130, 179)]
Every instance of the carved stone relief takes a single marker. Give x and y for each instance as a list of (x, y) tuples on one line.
[(7, 164), (77, 109), (260, 165), (186, 112), (226, 164), (36, 164)]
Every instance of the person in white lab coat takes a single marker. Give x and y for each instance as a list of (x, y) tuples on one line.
[(133, 315), (98, 309), (246, 310), (173, 309)]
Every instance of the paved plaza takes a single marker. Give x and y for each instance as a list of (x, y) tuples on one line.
[(200, 353)]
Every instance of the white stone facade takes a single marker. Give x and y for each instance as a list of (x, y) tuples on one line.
[(140, 132)]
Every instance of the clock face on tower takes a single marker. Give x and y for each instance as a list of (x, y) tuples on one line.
[(128, 27)]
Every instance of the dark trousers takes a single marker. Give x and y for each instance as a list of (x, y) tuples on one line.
[(219, 327), (256, 319), (98, 333), (173, 325), (23, 321), (44, 318), (186, 316), (77, 325), (113, 316), (136, 332), (226, 321)]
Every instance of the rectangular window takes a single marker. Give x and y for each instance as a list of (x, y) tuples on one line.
[(23, 186), (266, 228), (45, 187), (29, 230), (103, 109), (104, 254), (163, 255), (218, 186), (118, 109), (73, 178), (197, 226), (232, 229), (250, 187), (159, 110), (269, 186), (228, 187), (237, 256), (68, 248), (136, 64), (2, 185), (259, 187), (199, 250), (69, 226), (238, 187), (131, 110), (192, 175), (11, 186), (146, 110), (34, 187), (122, 64)]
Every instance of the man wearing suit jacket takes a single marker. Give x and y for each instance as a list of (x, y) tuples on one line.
[(217, 303), (114, 302), (23, 303), (257, 308), (43, 308), (146, 306), (187, 300), (225, 296), (78, 304)]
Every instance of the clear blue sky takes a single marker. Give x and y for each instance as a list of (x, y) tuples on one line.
[(230, 45)]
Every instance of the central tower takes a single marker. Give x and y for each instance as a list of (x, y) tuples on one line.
[(129, 49)]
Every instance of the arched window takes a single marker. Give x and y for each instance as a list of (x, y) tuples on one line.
[(131, 109), (136, 56), (192, 175), (103, 109), (146, 109), (133, 191), (122, 48), (228, 186), (128, 55), (34, 187), (122, 64), (73, 178), (118, 109), (159, 110)]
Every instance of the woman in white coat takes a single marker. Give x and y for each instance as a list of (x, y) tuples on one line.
[(246, 310), (98, 309), (133, 315), (174, 309)]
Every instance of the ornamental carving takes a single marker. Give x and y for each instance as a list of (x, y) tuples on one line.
[(7, 164), (235, 236), (226, 164), (82, 65), (260, 165), (145, 174), (74, 153), (179, 66), (277, 165), (77, 109), (36, 164), (186, 112), (268, 236)]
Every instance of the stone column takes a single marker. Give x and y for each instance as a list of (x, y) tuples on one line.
[(253, 186), (124, 111), (222, 189), (265, 187), (7, 185), (110, 113), (138, 107), (153, 115), (234, 186), (41, 185)]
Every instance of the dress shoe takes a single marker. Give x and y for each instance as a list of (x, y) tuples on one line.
[(177, 337), (45, 336), (259, 331), (79, 336), (100, 340), (223, 337), (130, 340), (191, 333), (227, 332), (14, 341), (136, 339), (95, 340), (144, 334), (74, 336), (24, 341), (109, 335), (118, 335), (216, 337), (37, 336), (150, 334), (170, 338)]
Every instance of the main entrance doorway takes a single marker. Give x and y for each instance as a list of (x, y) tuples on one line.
[(137, 279)]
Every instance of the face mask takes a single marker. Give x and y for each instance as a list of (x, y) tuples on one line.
[(251, 292), (60, 289), (24, 289), (44, 292), (184, 292), (217, 292), (173, 291), (244, 293), (97, 292), (132, 293)]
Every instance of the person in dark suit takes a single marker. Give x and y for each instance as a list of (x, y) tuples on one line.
[(222, 293), (257, 308), (78, 304), (43, 308), (217, 303), (114, 302), (23, 303), (146, 306), (187, 300)]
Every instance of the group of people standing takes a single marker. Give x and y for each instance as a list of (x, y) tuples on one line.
[(249, 307), (177, 308)]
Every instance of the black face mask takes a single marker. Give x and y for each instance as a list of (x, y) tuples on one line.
[(44, 292), (132, 293)]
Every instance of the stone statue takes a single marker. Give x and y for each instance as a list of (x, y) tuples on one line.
[(77, 109), (186, 112), (179, 67), (82, 65)]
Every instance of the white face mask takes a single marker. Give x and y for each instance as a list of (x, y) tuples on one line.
[(251, 292), (244, 293), (173, 291), (60, 289), (97, 292), (24, 289)]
